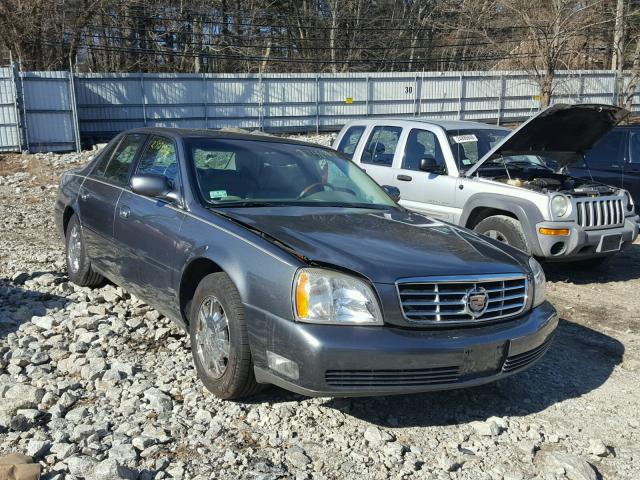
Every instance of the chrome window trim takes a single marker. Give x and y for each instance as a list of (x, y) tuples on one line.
[(454, 279)]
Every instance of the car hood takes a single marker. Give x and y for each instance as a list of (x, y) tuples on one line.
[(380, 245), (566, 132)]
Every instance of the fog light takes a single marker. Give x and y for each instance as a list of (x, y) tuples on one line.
[(554, 231), (283, 365)]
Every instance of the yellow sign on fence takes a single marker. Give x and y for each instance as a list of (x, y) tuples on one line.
[(348, 100)]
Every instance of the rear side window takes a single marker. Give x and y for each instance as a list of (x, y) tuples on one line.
[(160, 158), (350, 140), (381, 146), (103, 161), (608, 151), (118, 169)]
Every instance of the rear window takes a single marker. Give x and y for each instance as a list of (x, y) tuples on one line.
[(350, 140)]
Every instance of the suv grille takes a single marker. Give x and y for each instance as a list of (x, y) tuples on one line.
[(600, 213), (439, 301)]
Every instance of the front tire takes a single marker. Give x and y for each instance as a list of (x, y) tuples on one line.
[(78, 263), (504, 229), (220, 340)]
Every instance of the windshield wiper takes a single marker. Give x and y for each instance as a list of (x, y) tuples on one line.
[(248, 204)]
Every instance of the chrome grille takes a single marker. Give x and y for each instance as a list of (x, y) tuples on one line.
[(442, 301), (598, 213)]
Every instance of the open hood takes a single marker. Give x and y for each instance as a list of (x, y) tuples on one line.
[(563, 132)]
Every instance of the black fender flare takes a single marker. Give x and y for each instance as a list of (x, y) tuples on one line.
[(524, 210)]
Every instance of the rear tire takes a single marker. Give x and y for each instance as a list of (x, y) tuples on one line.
[(78, 263), (504, 229), (220, 339)]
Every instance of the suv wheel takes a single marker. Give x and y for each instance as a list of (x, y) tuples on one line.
[(504, 229), (219, 339), (78, 263)]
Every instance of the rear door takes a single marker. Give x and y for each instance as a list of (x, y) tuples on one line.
[(146, 230), (631, 179), (98, 197), (430, 193), (605, 162), (379, 152)]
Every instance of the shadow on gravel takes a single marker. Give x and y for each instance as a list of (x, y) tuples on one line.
[(623, 266), (19, 304), (579, 361)]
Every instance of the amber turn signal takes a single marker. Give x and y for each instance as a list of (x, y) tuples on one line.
[(563, 232), (302, 295)]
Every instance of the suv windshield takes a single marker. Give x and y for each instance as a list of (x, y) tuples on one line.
[(262, 173), (470, 145)]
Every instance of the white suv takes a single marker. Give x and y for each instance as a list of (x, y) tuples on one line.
[(506, 184)]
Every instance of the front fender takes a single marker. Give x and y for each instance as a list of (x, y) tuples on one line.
[(525, 211)]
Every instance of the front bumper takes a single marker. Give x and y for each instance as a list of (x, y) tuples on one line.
[(358, 361), (581, 243)]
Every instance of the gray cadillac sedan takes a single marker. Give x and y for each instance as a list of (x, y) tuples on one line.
[(288, 265)]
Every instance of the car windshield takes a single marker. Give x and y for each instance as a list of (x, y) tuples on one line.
[(262, 173), (471, 144)]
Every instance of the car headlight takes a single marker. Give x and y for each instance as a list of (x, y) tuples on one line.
[(629, 201), (559, 205), (330, 297), (539, 282)]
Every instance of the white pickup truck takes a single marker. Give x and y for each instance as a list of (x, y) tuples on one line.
[(506, 184)]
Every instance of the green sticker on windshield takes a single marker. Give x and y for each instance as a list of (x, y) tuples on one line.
[(217, 193)]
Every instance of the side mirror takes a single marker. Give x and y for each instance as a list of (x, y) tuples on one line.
[(156, 186), (393, 192), (429, 164)]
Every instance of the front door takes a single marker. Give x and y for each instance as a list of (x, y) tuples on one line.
[(429, 193), (146, 230)]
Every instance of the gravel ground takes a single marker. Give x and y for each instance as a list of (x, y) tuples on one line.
[(95, 384)]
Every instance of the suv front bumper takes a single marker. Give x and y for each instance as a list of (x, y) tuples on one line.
[(337, 360), (582, 243)]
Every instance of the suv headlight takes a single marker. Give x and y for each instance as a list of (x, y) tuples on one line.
[(330, 297), (629, 201), (539, 282), (559, 205)]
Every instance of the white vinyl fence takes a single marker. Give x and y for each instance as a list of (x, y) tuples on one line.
[(55, 111)]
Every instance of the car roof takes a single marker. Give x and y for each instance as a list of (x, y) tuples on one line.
[(182, 133), (444, 124)]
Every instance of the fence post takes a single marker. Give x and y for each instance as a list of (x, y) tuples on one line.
[(415, 96), (205, 96), (366, 104), (74, 108), (500, 97), (16, 109), (144, 100), (24, 109), (460, 87), (317, 104), (260, 102)]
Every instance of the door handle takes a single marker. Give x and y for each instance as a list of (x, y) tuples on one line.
[(404, 178), (84, 196), (124, 211)]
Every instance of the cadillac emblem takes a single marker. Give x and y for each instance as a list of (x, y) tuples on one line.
[(476, 301)]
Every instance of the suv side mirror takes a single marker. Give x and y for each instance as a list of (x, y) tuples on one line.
[(393, 192), (429, 164), (156, 186)]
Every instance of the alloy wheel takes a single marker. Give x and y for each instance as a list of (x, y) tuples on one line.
[(212, 337)]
